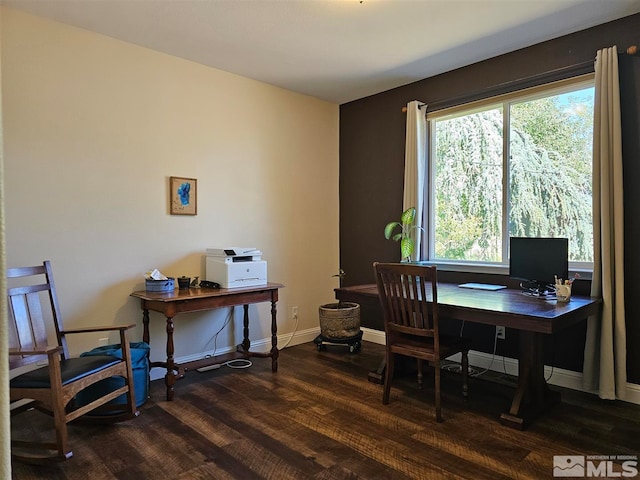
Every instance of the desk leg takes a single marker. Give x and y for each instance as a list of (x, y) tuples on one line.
[(377, 376), (532, 394), (170, 377), (274, 337)]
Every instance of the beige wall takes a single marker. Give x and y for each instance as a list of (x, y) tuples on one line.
[(94, 127), (5, 423)]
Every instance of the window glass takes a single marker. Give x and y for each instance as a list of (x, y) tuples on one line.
[(550, 170), (468, 170), (520, 166)]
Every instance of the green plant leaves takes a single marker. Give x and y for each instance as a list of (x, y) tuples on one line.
[(407, 243), (406, 247), (388, 230), (408, 216)]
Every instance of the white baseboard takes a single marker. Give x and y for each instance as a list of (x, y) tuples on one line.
[(374, 336), (633, 393), (555, 376)]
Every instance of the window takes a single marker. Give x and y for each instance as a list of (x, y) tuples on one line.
[(518, 165)]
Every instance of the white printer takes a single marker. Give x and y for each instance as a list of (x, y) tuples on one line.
[(236, 267)]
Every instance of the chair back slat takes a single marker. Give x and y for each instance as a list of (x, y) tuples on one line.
[(409, 299), (32, 304)]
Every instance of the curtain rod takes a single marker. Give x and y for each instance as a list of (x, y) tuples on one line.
[(566, 72), (420, 107), (517, 84)]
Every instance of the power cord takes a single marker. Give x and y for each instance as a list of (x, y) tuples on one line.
[(548, 292), (553, 359), (495, 346), (550, 373), (215, 335), (234, 363), (237, 363), (456, 367), (295, 329), (474, 373)]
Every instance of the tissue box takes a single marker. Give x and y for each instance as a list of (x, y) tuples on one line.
[(159, 285)]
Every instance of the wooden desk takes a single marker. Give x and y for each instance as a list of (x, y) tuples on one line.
[(198, 299), (532, 317)]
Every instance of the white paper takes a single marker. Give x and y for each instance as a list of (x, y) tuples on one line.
[(155, 275)]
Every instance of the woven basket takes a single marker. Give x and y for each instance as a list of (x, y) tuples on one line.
[(159, 285), (339, 323)]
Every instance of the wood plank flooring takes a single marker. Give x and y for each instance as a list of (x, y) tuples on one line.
[(319, 418)]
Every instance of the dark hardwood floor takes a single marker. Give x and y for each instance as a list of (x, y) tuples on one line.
[(319, 418)]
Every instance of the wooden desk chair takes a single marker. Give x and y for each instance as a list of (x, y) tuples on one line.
[(409, 298), (51, 388)]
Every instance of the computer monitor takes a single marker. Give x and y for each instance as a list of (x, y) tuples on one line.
[(538, 261)]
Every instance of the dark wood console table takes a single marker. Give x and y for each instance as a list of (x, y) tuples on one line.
[(532, 317), (172, 303)]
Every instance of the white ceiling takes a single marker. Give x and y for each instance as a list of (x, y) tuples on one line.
[(338, 50)]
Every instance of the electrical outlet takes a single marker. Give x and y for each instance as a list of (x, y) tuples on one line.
[(294, 312), (500, 333)]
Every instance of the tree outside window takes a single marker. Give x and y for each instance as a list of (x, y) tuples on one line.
[(520, 167)]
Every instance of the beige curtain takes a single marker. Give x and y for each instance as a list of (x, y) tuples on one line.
[(415, 168), (605, 353)]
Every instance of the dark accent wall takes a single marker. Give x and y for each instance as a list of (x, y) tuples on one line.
[(629, 70), (372, 137)]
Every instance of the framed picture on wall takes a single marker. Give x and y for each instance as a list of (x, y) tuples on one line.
[(183, 199)]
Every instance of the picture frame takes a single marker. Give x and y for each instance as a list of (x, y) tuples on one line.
[(183, 196)]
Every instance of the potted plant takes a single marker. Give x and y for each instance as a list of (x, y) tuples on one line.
[(407, 225), (340, 322)]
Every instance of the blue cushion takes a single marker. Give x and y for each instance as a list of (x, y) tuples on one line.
[(72, 369)]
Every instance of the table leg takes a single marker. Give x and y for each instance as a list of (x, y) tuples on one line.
[(532, 395), (170, 377), (274, 338), (246, 343), (145, 325)]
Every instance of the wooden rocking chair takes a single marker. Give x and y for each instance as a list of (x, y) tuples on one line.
[(52, 388)]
